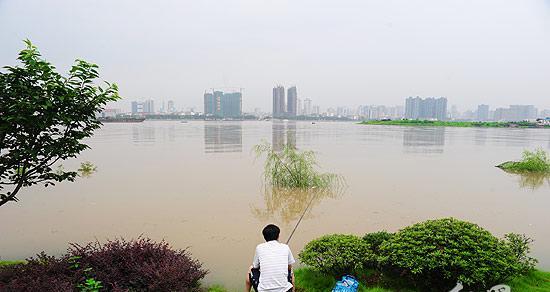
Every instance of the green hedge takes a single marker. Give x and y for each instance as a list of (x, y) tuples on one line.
[(431, 255), (438, 253), (337, 254)]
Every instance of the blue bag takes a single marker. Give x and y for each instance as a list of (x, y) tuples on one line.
[(347, 284)]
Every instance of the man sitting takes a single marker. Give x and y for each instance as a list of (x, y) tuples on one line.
[(271, 270)]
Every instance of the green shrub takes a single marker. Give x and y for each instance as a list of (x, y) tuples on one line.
[(337, 254), (532, 161), (375, 240), (435, 254), (520, 246)]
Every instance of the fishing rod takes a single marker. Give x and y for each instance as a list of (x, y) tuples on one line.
[(301, 217)]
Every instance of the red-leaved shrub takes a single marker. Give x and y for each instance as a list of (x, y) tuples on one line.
[(42, 273), (141, 265), (120, 265)]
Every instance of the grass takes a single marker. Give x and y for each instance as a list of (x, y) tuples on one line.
[(536, 161), (533, 282), (9, 263), (294, 169), (217, 288), (308, 280), (453, 124)]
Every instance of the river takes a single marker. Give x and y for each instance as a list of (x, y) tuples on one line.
[(199, 185)]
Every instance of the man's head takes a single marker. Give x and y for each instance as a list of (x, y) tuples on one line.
[(271, 232)]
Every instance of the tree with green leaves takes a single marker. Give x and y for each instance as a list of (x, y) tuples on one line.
[(44, 117)]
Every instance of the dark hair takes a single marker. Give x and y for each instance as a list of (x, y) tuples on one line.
[(271, 232)]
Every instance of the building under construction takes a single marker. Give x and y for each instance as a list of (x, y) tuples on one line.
[(219, 104)]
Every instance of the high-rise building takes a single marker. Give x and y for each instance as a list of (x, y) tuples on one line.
[(440, 108), (223, 105), (482, 112), (218, 102), (135, 107), (412, 108), (279, 106), (501, 114), (308, 110), (209, 104), (171, 108), (149, 106), (231, 105), (316, 110), (292, 104), (300, 109), (522, 112), (516, 113), (417, 108)]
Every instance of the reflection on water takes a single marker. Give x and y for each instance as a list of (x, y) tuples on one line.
[(87, 169), (287, 205), (531, 181), (423, 140), (143, 134), (480, 137), (283, 133), (221, 137)]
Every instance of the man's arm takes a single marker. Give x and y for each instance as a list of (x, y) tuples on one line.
[(256, 261), (291, 260)]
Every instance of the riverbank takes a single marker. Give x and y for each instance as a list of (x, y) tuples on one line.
[(7, 263), (454, 124), (308, 280)]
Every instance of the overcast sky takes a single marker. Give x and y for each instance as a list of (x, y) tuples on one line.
[(336, 52)]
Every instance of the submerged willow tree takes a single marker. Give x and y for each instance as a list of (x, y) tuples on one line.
[(294, 169)]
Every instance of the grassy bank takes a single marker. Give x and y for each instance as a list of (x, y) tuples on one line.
[(308, 280), (454, 124), (7, 263)]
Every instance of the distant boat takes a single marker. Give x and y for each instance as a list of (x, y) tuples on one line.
[(313, 123), (183, 122), (121, 120)]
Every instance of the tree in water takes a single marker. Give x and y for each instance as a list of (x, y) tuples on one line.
[(294, 169)]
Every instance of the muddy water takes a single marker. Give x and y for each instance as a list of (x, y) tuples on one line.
[(198, 185)]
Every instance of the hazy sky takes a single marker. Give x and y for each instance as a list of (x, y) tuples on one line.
[(337, 52)]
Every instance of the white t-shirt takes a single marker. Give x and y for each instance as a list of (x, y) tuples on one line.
[(273, 259)]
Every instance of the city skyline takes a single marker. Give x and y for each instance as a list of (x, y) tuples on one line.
[(289, 105), (471, 52)]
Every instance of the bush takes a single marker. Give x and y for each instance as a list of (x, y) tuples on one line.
[(519, 244), (118, 265), (41, 273), (375, 240), (536, 161), (436, 254), (337, 254)]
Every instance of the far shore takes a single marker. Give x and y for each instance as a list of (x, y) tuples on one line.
[(428, 123)]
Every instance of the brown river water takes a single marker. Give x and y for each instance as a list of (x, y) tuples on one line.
[(199, 185)]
